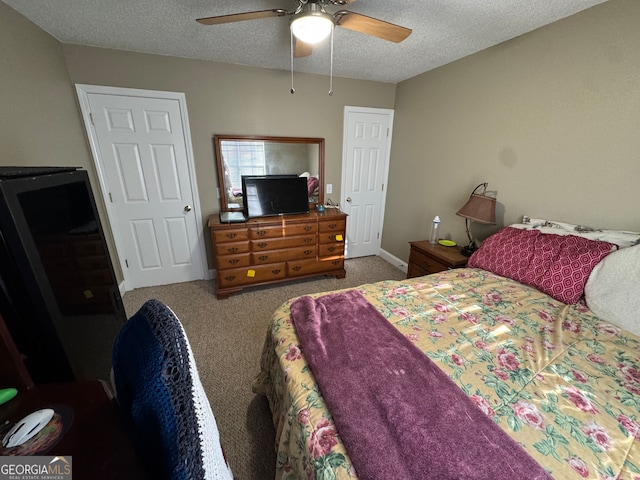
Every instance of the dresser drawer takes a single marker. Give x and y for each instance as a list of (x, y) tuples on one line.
[(88, 248), (415, 271), (93, 263), (65, 277), (272, 256), (59, 264), (337, 225), (224, 262), (256, 233), (308, 267), (232, 248), (425, 264), (284, 242), (54, 250), (249, 275), (85, 299), (330, 249), (97, 277), (273, 249), (235, 235), (331, 237)]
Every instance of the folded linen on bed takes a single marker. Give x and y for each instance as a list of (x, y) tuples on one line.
[(397, 413)]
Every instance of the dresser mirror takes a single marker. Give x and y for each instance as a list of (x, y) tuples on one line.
[(238, 155)]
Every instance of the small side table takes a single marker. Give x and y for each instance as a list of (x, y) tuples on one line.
[(426, 258)]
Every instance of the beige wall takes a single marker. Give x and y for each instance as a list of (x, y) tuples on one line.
[(230, 99), (39, 123), (550, 119)]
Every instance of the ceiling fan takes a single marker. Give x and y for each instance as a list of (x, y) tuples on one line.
[(310, 23)]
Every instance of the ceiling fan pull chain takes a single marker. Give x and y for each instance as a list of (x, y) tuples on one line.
[(293, 90), (331, 70)]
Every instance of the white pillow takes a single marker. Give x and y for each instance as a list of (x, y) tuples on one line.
[(621, 238), (612, 291)]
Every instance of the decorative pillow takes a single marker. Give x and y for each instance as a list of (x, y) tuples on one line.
[(507, 253), (312, 185), (561, 265), (612, 291), (556, 265), (621, 238)]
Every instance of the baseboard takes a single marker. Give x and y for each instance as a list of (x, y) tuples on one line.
[(393, 260)]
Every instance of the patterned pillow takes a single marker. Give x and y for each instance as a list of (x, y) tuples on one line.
[(557, 265), (561, 265), (312, 185), (507, 253)]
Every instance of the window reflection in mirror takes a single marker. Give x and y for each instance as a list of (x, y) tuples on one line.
[(243, 155)]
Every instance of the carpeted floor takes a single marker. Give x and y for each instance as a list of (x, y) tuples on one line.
[(227, 337)]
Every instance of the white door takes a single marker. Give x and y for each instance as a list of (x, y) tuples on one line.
[(365, 168), (142, 148)]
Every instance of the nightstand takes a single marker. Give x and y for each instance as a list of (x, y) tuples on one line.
[(426, 258)]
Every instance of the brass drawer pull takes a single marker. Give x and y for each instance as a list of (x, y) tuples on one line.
[(263, 253)]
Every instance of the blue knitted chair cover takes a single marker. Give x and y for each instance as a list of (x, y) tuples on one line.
[(158, 388)]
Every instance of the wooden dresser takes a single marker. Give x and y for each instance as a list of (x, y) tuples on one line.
[(275, 249)]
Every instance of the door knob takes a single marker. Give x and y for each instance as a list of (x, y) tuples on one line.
[(349, 199), (187, 208)]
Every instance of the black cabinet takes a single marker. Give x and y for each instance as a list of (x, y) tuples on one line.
[(58, 293)]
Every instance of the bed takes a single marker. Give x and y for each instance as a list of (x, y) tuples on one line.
[(539, 356)]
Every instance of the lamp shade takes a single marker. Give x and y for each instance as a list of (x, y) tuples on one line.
[(479, 208), (312, 27)]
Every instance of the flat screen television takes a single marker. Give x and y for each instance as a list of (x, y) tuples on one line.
[(269, 195)]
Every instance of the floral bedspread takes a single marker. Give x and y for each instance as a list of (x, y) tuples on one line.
[(559, 380)]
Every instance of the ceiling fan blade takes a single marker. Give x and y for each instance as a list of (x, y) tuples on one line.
[(371, 26), (340, 2), (238, 17), (302, 49)]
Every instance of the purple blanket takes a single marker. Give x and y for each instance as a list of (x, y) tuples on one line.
[(398, 414)]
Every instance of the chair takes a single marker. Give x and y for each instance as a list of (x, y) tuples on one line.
[(159, 391)]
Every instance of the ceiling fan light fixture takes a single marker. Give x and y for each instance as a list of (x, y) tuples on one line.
[(312, 27)]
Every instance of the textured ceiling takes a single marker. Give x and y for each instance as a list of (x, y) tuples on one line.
[(443, 31)]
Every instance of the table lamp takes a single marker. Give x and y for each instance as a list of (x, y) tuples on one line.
[(479, 208)]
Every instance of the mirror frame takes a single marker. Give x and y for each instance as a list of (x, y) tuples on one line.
[(217, 139)]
